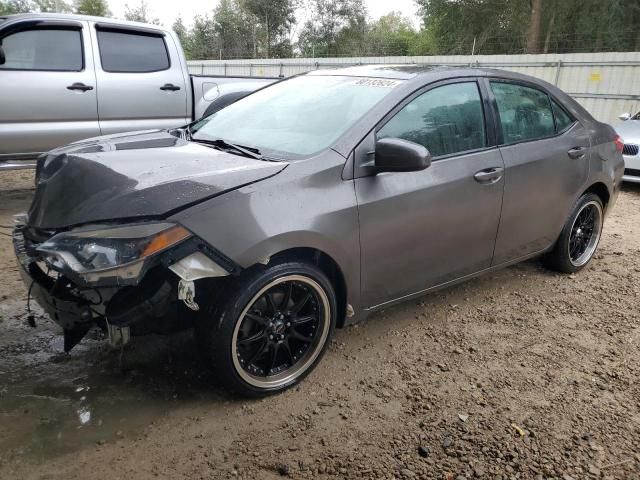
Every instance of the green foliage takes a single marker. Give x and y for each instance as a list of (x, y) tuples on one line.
[(53, 6), (591, 25), (139, 13), (264, 28), (99, 8), (495, 24), (336, 26), (8, 7), (235, 29), (240, 28), (183, 34), (392, 34), (504, 26), (273, 18), (203, 42)]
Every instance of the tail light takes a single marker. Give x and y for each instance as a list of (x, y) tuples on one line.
[(619, 143)]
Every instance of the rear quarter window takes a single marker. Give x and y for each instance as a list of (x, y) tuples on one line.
[(132, 52), (562, 118)]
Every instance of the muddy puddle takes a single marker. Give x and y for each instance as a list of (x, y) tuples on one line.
[(52, 403)]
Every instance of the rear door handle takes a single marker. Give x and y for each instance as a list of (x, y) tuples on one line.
[(80, 86), (489, 176), (577, 152), (170, 86)]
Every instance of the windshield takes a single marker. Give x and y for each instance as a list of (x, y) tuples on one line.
[(300, 116)]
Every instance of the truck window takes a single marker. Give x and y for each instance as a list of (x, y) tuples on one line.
[(129, 52), (44, 49)]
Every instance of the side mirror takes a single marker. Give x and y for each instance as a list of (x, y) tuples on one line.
[(625, 116), (398, 155), (3, 58)]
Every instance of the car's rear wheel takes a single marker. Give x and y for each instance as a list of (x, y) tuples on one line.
[(272, 329), (580, 236)]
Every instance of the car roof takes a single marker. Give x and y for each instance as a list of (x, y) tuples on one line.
[(397, 72), (417, 75), (422, 73)]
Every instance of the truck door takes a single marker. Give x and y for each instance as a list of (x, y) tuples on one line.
[(141, 80), (47, 87)]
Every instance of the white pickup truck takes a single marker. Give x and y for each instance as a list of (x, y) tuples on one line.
[(68, 77)]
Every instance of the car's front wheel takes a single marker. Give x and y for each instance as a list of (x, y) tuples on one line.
[(580, 236), (272, 328)]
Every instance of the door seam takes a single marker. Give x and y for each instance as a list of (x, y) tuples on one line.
[(504, 185)]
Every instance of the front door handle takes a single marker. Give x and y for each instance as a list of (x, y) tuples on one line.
[(489, 176), (577, 152), (80, 86), (170, 87)]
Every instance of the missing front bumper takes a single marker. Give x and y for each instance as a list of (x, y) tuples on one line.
[(152, 306), (152, 303)]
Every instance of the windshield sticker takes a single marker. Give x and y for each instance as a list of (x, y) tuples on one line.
[(377, 82)]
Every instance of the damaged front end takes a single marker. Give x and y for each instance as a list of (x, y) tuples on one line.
[(129, 279)]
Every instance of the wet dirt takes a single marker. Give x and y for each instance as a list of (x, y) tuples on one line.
[(520, 374)]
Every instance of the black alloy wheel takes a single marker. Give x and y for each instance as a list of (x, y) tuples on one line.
[(280, 331), (269, 327)]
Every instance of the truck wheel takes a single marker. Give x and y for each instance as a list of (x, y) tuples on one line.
[(271, 330), (580, 236)]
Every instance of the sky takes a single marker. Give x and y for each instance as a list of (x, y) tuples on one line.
[(167, 11)]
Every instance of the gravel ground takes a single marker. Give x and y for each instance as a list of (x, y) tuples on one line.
[(521, 374)]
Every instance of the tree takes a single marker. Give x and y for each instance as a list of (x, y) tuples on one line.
[(8, 7), (232, 26), (139, 13), (533, 26), (496, 25), (590, 25), (391, 34), (203, 41), (337, 26), (52, 6), (98, 8), (274, 18), (534, 43), (254, 28), (184, 36)]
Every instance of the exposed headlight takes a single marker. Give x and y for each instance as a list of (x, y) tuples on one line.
[(96, 253)]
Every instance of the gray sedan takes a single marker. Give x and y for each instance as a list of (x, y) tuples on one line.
[(310, 204)]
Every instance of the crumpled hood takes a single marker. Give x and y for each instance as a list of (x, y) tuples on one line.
[(142, 174)]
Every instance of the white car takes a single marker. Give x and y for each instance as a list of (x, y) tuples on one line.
[(629, 131)]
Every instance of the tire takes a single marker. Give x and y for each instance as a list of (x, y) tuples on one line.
[(575, 248), (258, 317)]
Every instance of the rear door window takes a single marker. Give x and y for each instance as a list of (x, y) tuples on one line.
[(446, 120), (132, 52), (525, 112), (43, 49), (563, 120)]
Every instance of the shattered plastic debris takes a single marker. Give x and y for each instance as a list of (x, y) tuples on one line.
[(518, 429)]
